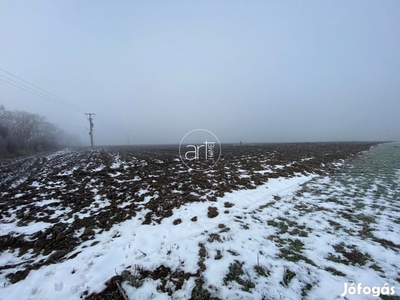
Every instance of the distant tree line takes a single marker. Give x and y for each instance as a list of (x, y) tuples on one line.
[(24, 133)]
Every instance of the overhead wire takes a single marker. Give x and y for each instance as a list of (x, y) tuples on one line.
[(61, 100), (30, 90), (51, 97), (68, 125)]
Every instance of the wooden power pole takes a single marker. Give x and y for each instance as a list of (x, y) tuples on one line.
[(90, 127)]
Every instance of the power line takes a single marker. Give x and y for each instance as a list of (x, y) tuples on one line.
[(37, 93), (68, 125), (51, 97), (55, 96)]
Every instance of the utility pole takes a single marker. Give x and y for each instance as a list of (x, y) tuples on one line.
[(90, 127)]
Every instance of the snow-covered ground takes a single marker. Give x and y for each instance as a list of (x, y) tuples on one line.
[(290, 238)]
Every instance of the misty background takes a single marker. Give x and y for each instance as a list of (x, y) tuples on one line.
[(251, 71)]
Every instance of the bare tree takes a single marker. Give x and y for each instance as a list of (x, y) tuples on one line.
[(23, 133)]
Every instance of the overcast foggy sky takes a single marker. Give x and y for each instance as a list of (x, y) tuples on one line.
[(256, 71)]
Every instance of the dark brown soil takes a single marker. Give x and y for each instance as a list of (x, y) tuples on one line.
[(74, 179)]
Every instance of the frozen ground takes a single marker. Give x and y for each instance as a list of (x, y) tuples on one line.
[(280, 231)]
